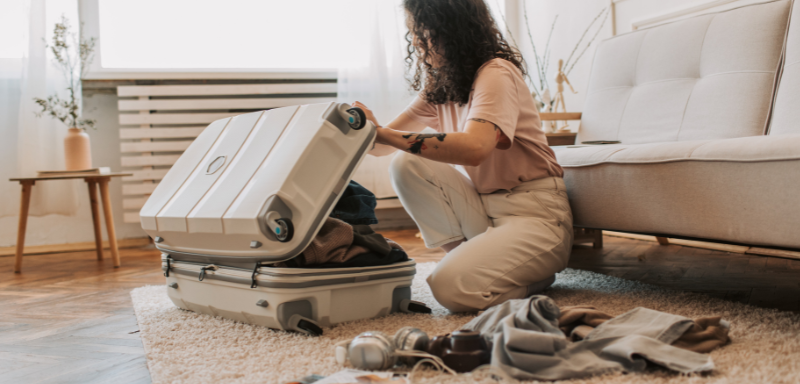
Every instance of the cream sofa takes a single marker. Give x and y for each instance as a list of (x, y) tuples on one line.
[(707, 111)]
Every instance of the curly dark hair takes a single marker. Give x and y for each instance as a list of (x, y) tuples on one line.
[(464, 33)]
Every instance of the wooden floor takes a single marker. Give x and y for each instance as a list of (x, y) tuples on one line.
[(762, 281), (68, 318)]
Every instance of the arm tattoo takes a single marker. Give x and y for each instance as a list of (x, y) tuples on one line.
[(417, 144), (486, 121)]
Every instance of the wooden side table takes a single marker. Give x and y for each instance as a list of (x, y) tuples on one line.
[(560, 138), (94, 181)]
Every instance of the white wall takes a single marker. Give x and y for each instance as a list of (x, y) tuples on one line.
[(574, 16)]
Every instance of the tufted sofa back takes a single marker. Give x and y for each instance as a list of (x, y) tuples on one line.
[(786, 111), (707, 77)]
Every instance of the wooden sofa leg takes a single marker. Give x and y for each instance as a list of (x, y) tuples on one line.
[(662, 240), (598, 239), (588, 235)]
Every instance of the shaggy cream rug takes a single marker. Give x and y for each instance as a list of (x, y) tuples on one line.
[(185, 347)]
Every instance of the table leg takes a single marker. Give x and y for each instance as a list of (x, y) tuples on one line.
[(27, 186), (662, 240), (98, 235), (109, 216)]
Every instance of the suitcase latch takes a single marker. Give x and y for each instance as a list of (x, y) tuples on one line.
[(253, 283), (166, 274), (210, 267)]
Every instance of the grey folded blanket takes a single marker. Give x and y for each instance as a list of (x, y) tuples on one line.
[(528, 344)]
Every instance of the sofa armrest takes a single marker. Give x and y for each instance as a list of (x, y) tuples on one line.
[(550, 116)]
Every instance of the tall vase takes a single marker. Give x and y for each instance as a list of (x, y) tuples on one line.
[(77, 150)]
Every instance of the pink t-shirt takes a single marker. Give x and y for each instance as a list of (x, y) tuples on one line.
[(499, 95)]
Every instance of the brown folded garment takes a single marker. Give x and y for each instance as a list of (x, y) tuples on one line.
[(333, 244), (581, 316), (705, 335)]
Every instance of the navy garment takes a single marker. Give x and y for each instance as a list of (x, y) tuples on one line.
[(356, 206)]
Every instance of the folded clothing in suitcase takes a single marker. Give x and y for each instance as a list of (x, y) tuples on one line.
[(253, 190)]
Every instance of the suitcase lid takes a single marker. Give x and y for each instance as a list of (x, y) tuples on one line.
[(257, 187)]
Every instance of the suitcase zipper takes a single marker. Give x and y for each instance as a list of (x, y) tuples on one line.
[(190, 268)]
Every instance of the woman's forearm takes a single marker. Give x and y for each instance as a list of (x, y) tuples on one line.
[(382, 150), (454, 148)]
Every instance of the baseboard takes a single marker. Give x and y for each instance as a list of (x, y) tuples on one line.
[(73, 247)]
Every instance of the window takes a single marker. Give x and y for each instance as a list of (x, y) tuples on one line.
[(236, 34), (11, 29)]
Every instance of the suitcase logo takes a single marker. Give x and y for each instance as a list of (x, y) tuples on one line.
[(215, 165)]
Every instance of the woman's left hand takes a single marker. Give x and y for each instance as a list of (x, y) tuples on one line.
[(368, 112)]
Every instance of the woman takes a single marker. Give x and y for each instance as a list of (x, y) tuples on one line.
[(507, 228)]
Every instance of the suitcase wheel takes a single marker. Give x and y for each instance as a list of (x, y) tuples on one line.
[(285, 230), (302, 324), (357, 118), (309, 327), (411, 306)]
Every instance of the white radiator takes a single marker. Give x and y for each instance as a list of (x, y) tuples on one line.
[(160, 121)]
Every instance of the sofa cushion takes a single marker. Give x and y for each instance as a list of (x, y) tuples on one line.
[(707, 77), (738, 190), (736, 150), (786, 111)]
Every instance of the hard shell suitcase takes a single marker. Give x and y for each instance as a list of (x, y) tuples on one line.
[(253, 190)]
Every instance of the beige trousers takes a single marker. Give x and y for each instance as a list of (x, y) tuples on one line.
[(514, 238)]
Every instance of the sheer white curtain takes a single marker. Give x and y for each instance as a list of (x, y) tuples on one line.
[(378, 80), (10, 69), (31, 143)]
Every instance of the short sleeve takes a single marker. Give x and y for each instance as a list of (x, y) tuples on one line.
[(495, 98), (423, 112)]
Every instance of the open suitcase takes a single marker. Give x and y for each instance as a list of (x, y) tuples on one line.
[(253, 190)]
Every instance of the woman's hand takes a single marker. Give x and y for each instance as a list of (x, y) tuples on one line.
[(381, 132), (368, 112)]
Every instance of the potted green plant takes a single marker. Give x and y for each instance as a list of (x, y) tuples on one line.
[(72, 54)]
